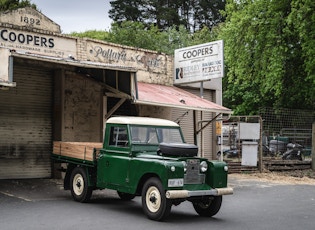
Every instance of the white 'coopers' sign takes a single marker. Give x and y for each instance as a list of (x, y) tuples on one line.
[(37, 43), (199, 63)]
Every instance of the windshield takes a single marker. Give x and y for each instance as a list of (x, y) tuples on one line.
[(155, 135)]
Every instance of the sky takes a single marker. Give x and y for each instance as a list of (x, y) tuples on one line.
[(76, 16)]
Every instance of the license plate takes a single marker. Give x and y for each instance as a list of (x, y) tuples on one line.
[(176, 182)]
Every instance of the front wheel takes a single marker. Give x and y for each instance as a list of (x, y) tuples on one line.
[(208, 207), (80, 190), (154, 202)]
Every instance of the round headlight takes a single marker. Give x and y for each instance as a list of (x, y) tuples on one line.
[(173, 168), (226, 168), (203, 166)]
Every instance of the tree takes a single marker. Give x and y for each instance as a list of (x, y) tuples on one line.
[(137, 35), (302, 19), (192, 14), (14, 4), (126, 11), (264, 58), (94, 34)]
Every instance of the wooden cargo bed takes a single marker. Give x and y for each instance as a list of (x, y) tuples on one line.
[(79, 150)]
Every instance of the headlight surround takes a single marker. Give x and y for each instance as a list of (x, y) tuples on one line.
[(203, 166), (185, 166)]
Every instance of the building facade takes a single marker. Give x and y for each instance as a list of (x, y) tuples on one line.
[(57, 87)]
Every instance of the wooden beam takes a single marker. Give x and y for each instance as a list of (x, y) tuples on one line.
[(119, 103)]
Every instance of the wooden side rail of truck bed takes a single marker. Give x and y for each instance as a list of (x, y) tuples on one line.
[(77, 150)]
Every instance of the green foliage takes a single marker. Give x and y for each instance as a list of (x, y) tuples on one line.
[(265, 58), (94, 34), (302, 19), (137, 35), (14, 4)]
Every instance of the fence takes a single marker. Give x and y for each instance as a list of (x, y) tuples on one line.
[(278, 128)]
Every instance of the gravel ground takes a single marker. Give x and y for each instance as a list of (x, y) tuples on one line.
[(283, 177)]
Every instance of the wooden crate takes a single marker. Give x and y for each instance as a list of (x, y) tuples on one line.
[(79, 150)]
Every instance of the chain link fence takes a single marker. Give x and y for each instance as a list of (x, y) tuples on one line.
[(283, 126), (278, 130)]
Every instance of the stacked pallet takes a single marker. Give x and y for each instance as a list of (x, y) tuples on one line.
[(79, 150), (237, 167), (283, 165)]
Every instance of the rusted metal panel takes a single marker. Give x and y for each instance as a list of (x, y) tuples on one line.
[(171, 96)]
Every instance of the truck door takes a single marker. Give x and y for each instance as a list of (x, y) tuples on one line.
[(113, 165)]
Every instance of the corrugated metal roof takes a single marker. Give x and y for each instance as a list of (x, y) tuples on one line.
[(171, 96)]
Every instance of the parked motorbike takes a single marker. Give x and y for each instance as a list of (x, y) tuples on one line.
[(294, 152)]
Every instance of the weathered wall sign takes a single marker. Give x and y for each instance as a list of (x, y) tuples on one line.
[(19, 30), (43, 44), (149, 61), (29, 18)]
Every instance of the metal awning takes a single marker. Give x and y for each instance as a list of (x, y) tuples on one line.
[(171, 96), (71, 61), (146, 93)]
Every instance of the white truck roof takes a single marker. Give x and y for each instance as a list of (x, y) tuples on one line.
[(141, 121)]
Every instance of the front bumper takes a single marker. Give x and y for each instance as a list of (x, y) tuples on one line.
[(176, 194)]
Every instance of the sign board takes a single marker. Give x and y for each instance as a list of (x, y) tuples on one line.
[(218, 128), (249, 131), (199, 63), (35, 43), (6, 70), (141, 59)]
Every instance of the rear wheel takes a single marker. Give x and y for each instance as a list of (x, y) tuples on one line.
[(154, 202), (80, 190), (208, 207)]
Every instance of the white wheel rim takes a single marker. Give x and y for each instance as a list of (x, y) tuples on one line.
[(153, 199), (78, 184)]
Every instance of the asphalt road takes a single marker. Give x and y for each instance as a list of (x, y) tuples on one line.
[(42, 204)]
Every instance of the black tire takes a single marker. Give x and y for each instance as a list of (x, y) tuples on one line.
[(154, 202), (126, 196), (80, 190), (208, 207)]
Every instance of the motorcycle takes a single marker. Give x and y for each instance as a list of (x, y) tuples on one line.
[(294, 152)]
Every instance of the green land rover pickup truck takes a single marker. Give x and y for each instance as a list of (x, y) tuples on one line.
[(145, 157)]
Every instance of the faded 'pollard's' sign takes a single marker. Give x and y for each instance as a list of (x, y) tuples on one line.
[(199, 63), (147, 60)]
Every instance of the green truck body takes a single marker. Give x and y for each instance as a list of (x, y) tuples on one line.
[(146, 157)]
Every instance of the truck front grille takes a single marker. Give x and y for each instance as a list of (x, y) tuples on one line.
[(193, 175)]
